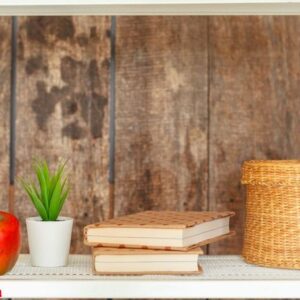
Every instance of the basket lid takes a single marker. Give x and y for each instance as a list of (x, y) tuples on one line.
[(271, 172)]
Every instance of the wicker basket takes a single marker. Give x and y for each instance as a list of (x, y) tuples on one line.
[(272, 229)]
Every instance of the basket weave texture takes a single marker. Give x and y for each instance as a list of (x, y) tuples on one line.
[(272, 229)]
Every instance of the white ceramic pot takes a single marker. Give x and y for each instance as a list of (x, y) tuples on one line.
[(49, 241)]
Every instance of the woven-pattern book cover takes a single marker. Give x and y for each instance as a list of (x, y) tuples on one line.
[(163, 220)]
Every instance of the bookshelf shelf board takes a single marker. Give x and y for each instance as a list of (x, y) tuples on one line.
[(149, 7), (224, 277)]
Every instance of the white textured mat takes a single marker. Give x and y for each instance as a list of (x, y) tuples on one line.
[(215, 268)]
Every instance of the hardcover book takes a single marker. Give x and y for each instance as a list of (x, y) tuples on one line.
[(168, 230), (110, 261)]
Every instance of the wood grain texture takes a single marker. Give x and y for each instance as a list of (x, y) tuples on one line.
[(168, 70), (63, 111), (161, 114), (254, 104), (5, 67)]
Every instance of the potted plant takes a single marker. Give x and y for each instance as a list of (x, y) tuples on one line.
[(49, 235)]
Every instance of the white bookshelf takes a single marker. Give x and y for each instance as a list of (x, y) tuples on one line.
[(223, 277), (149, 7)]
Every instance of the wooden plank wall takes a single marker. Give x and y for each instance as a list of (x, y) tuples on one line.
[(254, 104), (62, 110), (195, 96), (161, 120), (5, 68)]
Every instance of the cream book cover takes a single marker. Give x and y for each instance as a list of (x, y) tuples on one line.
[(111, 261)]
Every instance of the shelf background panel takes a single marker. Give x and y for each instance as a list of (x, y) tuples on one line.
[(195, 96), (5, 69), (254, 87), (62, 103), (161, 114)]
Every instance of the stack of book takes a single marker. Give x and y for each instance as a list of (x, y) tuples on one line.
[(154, 242)]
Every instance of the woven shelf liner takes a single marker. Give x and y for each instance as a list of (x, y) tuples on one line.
[(216, 268), (271, 172)]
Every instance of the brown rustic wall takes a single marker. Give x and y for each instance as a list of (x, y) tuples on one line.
[(254, 104), (62, 110), (195, 96), (5, 63), (161, 114)]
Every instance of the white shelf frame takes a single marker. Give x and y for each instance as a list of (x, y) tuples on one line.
[(224, 277), (149, 7), (266, 283), (118, 289)]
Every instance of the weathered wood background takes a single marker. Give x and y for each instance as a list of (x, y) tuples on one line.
[(195, 97)]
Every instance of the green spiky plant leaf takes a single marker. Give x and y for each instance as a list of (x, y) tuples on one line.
[(48, 197)]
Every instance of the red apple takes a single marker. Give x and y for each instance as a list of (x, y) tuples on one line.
[(10, 241)]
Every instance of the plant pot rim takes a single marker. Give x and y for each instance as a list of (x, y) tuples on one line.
[(39, 219)]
